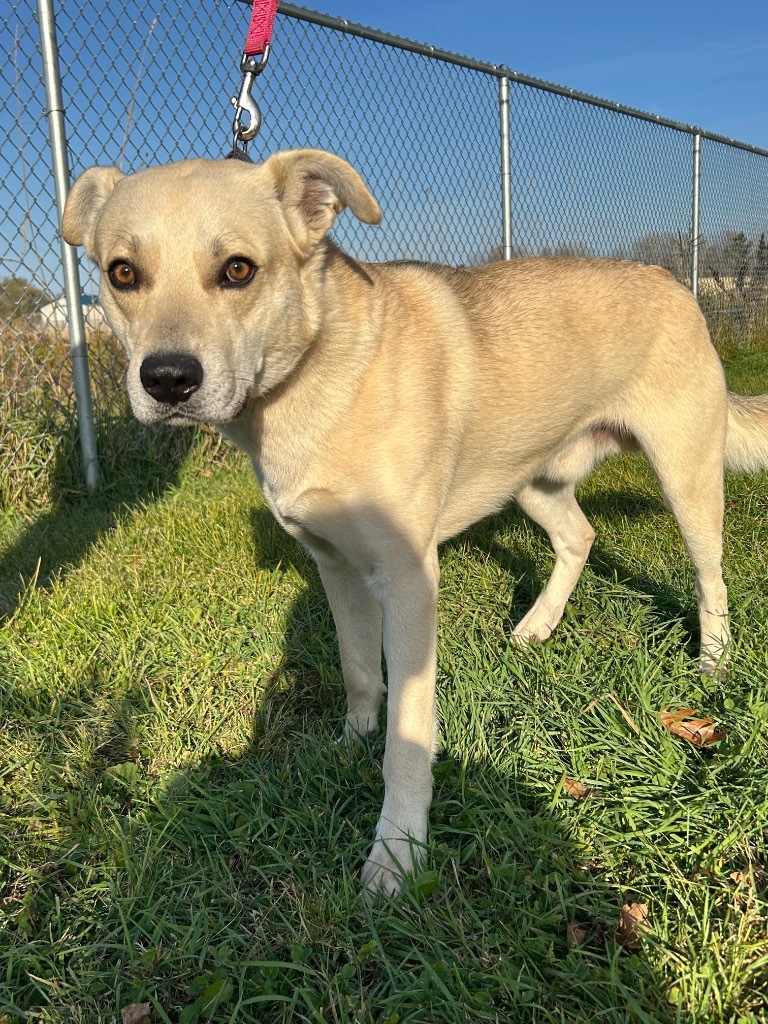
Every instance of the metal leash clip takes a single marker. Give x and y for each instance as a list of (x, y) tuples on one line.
[(244, 103)]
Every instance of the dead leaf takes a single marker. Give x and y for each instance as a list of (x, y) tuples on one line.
[(632, 922), (136, 1013), (701, 732), (575, 935), (575, 789)]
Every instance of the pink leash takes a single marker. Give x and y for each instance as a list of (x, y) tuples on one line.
[(253, 62), (260, 30)]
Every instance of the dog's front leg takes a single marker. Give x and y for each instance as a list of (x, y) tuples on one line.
[(408, 594), (357, 616)]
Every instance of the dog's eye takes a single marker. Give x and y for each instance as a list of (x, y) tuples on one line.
[(122, 275), (238, 271)]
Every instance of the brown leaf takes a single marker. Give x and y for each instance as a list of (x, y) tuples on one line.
[(576, 790), (136, 1013), (632, 922), (575, 935), (701, 732)]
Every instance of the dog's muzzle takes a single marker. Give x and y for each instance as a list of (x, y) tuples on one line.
[(171, 378)]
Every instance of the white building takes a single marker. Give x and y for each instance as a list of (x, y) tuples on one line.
[(54, 314)]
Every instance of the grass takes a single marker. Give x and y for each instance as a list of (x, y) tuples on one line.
[(179, 826)]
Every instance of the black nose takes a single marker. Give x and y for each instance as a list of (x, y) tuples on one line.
[(172, 377)]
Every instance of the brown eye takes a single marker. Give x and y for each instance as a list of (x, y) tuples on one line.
[(238, 271), (122, 274)]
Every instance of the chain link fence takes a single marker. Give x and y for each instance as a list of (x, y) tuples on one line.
[(148, 84)]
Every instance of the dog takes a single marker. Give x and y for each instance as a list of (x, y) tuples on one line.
[(387, 407)]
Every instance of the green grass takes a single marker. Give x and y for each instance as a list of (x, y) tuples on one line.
[(179, 825)]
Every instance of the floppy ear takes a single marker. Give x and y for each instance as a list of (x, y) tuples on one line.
[(314, 187), (84, 203)]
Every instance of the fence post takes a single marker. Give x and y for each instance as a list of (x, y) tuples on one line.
[(695, 216), (506, 176), (72, 287)]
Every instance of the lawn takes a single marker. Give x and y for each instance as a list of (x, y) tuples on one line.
[(179, 826)]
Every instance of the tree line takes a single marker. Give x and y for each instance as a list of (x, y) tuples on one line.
[(20, 299)]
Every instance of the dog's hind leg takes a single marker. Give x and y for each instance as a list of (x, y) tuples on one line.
[(554, 507), (692, 486)]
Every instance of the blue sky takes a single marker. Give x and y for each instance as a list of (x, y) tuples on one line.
[(703, 63)]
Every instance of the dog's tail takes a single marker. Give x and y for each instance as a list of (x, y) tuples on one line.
[(746, 445)]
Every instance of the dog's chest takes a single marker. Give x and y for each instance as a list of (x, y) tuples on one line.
[(268, 490), (280, 507)]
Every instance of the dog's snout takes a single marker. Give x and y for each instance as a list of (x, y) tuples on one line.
[(171, 378)]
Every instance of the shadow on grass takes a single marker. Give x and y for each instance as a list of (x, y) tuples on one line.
[(137, 465), (230, 891)]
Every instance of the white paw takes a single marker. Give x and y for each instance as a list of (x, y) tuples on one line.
[(537, 625), (716, 649), (358, 724), (531, 631), (714, 663), (390, 864)]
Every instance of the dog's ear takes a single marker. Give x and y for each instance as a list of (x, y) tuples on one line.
[(314, 187), (84, 203)]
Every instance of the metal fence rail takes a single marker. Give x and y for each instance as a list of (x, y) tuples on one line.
[(470, 161)]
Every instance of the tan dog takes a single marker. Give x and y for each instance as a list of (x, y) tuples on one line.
[(386, 407)]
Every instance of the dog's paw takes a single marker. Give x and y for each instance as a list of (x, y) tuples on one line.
[(537, 625), (531, 631), (358, 725), (390, 864), (715, 664), (716, 648)]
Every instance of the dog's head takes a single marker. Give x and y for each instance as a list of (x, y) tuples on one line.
[(210, 271)]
